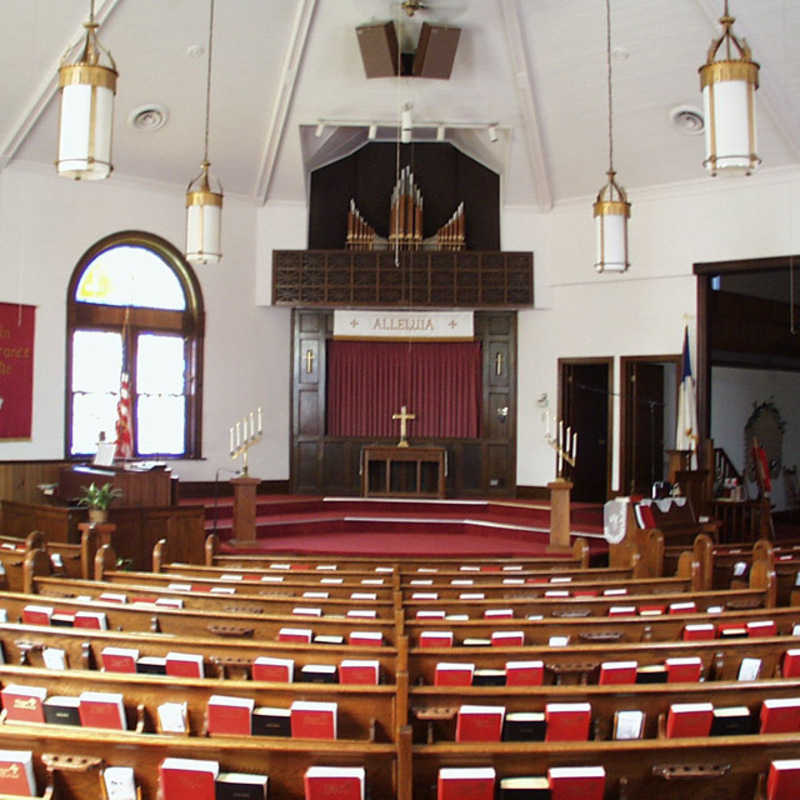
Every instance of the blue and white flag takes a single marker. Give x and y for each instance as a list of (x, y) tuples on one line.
[(686, 437)]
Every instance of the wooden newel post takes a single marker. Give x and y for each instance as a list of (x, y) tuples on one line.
[(559, 514), (244, 508)]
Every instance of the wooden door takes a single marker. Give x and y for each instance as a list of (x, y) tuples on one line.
[(585, 407), (644, 426)]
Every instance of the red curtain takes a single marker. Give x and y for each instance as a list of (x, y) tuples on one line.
[(440, 382)]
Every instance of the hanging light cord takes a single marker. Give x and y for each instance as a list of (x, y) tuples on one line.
[(608, 65), (208, 78)]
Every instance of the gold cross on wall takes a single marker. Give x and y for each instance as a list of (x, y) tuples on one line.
[(404, 417)]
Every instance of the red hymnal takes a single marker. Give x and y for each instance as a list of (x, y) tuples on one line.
[(119, 659), (341, 783), (648, 610), (37, 615), (731, 630), (702, 631), (313, 720), (791, 664), (622, 611), (453, 674), (577, 783), (302, 635), (689, 719), (567, 722), (278, 670), (182, 778), (499, 613), (780, 715), (783, 781), (24, 703), (359, 670), (185, 665), (585, 593), (684, 670), (102, 710), (91, 619), (231, 715), (612, 672), (436, 639), (466, 783), (683, 608), (479, 723), (762, 627), (16, 773), (365, 638), (508, 638), (524, 673)]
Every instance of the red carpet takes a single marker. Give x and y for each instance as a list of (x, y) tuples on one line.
[(375, 527)]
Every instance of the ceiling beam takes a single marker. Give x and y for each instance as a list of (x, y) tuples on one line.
[(47, 88), (776, 101), (283, 101), (523, 81)]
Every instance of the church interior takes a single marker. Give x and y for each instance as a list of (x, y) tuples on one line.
[(353, 321)]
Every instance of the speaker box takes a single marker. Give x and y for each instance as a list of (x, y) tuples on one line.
[(378, 43), (436, 51)]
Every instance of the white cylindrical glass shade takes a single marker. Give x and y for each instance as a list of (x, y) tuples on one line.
[(611, 241), (204, 233), (730, 135), (84, 142)]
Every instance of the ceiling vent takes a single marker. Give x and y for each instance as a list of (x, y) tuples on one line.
[(688, 120), (148, 118)]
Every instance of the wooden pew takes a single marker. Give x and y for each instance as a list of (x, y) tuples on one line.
[(580, 662), (578, 559), (365, 713), (24, 645), (203, 623)]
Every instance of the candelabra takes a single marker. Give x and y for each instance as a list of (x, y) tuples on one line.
[(563, 441), (244, 434)]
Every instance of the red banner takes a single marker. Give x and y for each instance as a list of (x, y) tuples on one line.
[(17, 323)]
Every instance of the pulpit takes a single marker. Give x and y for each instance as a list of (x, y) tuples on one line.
[(139, 486), (389, 471)]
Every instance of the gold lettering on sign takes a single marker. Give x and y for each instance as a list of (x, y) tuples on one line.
[(11, 771), (26, 705), (403, 324)]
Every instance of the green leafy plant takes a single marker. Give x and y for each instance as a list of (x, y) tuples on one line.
[(98, 497)]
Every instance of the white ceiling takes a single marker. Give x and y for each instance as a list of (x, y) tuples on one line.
[(535, 67)]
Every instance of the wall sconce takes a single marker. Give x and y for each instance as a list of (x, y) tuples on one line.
[(493, 133)]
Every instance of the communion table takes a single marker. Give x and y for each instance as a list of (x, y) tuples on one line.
[(393, 471)]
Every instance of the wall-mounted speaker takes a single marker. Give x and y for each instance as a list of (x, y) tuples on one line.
[(378, 44), (436, 51)]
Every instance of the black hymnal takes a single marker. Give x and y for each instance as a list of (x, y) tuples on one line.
[(268, 721), (151, 665), (241, 786), (318, 673), (732, 633), (656, 673), (489, 677), (733, 721), (524, 726), (63, 620), (62, 710), (525, 788)]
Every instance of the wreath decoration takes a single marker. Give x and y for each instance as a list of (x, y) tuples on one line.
[(766, 424)]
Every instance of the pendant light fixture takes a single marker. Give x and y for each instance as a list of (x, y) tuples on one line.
[(729, 86), (204, 193), (87, 110), (611, 207)]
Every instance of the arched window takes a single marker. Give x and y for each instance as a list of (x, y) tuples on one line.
[(134, 306)]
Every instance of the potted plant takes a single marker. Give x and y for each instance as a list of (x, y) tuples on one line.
[(97, 499)]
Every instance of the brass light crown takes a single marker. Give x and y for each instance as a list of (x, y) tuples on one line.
[(729, 85), (87, 87)]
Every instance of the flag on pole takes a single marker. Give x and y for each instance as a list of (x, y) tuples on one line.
[(686, 437), (124, 447)]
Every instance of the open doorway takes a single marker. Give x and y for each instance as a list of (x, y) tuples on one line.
[(649, 401), (584, 405)]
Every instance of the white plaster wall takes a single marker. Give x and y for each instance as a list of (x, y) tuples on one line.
[(735, 392), (46, 223)]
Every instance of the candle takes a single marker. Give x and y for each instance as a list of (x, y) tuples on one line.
[(244, 430), (546, 421), (568, 439), (232, 439), (238, 433), (260, 426), (574, 445), (252, 425)]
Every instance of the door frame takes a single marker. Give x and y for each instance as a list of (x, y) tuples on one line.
[(562, 364), (624, 433)]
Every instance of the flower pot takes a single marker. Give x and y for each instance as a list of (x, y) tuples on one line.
[(98, 515)]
